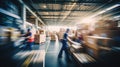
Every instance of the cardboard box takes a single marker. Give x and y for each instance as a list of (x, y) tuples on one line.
[(40, 38), (92, 52), (60, 35), (107, 28), (107, 33), (97, 53), (37, 38), (95, 41), (53, 37), (106, 24), (92, 44)]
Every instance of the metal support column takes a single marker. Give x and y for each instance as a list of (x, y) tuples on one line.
[(24, 16), (31, 11), (36, 22)]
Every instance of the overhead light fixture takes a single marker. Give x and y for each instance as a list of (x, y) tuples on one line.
[(44, 6), (114, 6), (72, 6)]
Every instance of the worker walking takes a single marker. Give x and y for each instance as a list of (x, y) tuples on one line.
[(64, 45)]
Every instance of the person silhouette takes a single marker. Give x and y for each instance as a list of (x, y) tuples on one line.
[(65, 46)]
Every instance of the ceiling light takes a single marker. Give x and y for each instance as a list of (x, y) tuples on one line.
[(47, 13), (92, 19), (44, 6), (113, 7)]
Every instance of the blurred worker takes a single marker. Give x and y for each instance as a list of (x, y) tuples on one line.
[(29, 39), (80, 37), (64, 45), (9, 35)]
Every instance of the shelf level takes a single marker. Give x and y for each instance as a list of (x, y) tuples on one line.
[(8, 13)]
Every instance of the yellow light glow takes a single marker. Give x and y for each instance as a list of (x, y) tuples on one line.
[(88, 20), (57, 28), (44, 6)]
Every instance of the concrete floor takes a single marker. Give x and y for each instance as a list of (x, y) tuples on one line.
[(47, 51)]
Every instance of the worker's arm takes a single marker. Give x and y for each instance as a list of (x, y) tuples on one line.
[(69, 39), (72, 35), (72, 41)]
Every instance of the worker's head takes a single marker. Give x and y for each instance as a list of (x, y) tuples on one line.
[(28, 30), (67, 30)]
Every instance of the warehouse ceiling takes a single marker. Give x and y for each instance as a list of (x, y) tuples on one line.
[(70, 12)]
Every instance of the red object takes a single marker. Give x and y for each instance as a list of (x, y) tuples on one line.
[(81, 37), (30, 39)]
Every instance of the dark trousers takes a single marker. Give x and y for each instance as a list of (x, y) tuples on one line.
[(28, 45), (65, 49), (61, 52)]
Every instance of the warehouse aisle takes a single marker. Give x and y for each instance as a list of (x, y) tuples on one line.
[(39, 57), (51, 59)]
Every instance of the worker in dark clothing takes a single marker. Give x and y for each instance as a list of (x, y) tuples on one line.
[(64, 45), (29, 39)]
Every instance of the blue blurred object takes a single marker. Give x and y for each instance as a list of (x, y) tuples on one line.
[(116, 38)]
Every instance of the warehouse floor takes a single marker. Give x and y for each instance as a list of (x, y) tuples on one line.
[(51, 58), (42, 55)]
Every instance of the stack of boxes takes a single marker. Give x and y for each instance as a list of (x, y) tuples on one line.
[(53, 35), (40, 36), (106, 24), (60, 33), (101, 40), (37, 38), (93, 44)]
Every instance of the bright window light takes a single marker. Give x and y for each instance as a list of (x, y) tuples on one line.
[(57, 28), (91, 19), (103, 11), (88, 20)]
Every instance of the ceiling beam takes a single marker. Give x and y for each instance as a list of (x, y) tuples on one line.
[(51, 10), (68, 13), (60, 15), (68, 1), (31, 12)]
